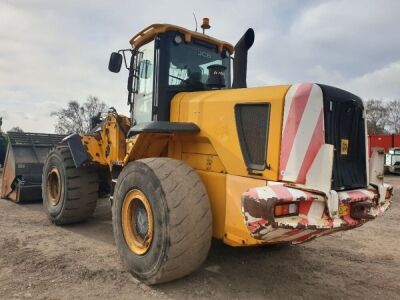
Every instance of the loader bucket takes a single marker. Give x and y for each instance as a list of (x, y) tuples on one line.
[(25, 156), (3, 148)]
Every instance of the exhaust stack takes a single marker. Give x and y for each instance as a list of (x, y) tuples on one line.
[(240, 60)]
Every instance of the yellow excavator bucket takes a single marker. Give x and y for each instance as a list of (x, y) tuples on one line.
[(22, 172)]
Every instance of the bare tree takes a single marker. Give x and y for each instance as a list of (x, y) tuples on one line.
[(16, 129), (393, 115), (76, 118), (376, 113), (3, 116)]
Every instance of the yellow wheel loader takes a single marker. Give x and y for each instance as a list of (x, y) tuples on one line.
[(200, 157)]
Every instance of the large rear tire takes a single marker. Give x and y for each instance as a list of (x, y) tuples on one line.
[(69, 194), (161, 219)]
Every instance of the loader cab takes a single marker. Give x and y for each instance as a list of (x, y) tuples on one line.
[(165, 60)]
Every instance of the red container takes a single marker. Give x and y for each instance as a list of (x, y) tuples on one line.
[(380, 140), (385, 141), (396, 140)]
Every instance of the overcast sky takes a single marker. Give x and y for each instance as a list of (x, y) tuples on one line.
[(55, 51)]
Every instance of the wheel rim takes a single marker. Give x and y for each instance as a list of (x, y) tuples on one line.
[(53, 186), (137, 222)]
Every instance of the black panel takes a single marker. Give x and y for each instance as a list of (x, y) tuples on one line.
[(162, 105), (29, 192), (30, 173), (345, 130), (164, 127), (78, 152), (252, 123)]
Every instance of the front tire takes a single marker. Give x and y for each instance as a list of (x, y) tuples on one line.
[(69, 194), (161, 219)]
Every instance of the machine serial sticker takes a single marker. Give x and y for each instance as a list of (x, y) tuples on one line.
[(344, 146)]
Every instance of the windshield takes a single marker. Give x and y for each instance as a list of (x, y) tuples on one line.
[(190, 65)]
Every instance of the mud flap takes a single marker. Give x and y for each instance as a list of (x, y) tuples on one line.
[(79, 154)]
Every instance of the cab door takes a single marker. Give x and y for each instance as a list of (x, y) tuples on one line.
[(143, 102)]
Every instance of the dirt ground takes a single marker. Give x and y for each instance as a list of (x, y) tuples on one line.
[(41, 261)]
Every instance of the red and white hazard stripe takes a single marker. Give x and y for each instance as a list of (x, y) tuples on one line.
[(302, 131)]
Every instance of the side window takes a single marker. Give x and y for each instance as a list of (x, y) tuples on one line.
[(144, 98)]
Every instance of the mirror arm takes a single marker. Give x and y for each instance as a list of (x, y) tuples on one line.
[(123, 55)]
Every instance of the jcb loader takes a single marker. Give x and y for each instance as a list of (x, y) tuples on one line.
[(201, 157)]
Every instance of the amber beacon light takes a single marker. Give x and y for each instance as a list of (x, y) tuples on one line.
[(206, 24)]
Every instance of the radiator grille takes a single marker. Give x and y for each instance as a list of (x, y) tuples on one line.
[(252, 122)]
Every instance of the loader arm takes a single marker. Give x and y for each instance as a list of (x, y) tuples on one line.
[(105, 146), (115, 143)]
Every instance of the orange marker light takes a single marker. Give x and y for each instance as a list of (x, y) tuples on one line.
[(287, 209), (206, 23)]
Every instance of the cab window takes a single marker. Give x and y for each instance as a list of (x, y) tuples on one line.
[(189, 64), (143, 102)]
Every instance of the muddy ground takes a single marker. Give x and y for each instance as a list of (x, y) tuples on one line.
[(41, 261)]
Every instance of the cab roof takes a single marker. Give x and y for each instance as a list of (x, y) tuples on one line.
[(151, 31)]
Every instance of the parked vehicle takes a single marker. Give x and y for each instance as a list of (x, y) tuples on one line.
[(201, 157), (392, 161)]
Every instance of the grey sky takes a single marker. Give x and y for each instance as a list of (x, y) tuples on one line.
[(55, 51)]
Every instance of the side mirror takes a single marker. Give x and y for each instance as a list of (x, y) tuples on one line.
[(114, 65)]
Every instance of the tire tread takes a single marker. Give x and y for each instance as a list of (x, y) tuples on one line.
[(81, 189), (190, 217)]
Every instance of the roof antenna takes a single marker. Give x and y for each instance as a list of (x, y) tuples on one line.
[(195, 20)]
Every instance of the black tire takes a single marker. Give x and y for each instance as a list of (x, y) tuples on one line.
[(78, 188), (182, 219)]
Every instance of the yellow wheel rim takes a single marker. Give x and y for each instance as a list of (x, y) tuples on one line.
[(53, 186), (137, 222)]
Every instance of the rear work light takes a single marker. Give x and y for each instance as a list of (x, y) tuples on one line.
[(287, 209)]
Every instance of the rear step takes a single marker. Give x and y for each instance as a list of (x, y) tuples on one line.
[(25, 156)]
